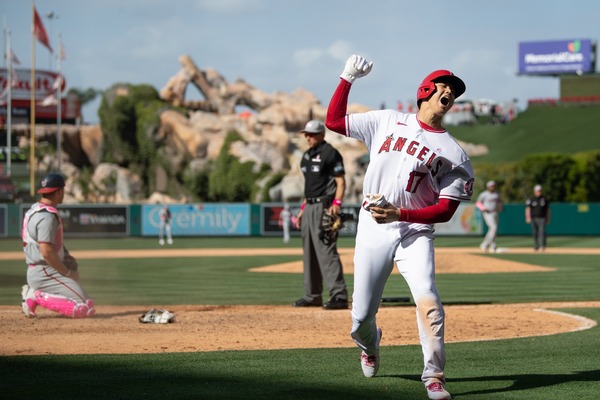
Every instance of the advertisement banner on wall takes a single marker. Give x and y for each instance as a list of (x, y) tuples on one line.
[(272, 225), (466, 221), (556, 57), (95, 221), (204, 219), (3, 220)]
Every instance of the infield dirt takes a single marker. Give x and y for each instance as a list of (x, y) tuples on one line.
[(115, 329)]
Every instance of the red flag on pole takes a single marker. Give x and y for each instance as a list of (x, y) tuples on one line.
[(39, 31)]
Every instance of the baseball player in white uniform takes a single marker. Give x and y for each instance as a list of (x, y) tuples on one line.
[(490, 203), (52, 273), (417, 176), (165, 226)]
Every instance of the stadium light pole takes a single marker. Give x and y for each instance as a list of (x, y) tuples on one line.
[(59, 104)]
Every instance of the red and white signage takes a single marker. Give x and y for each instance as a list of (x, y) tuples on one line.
[(46, 83)]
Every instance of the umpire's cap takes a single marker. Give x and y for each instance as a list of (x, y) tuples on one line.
[(51, 183), (314, 127)]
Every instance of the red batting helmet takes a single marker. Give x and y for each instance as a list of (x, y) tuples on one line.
[(427, 87)]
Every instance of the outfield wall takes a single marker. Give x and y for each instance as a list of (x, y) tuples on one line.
[(244, 219)]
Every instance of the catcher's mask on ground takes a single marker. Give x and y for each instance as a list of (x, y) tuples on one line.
[(157, 316)]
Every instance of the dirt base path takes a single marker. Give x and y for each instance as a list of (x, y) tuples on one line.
[(116, 330)]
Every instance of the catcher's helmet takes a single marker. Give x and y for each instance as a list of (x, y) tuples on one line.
[(51, 183), (427, 87)]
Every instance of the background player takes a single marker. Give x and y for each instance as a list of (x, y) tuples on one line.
[(420, 175), (165, 226), (537, 213), (490, 203), (285, 220), (52, 274), (324, 186)]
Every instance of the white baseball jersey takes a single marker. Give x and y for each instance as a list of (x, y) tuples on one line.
[(411, 164)]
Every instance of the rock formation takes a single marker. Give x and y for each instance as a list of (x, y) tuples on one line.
[(268, 123)]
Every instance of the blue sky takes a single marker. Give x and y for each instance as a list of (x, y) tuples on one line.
[(281, 45)]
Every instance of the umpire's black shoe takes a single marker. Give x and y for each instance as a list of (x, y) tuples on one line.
[(305, 303), (336, 304)]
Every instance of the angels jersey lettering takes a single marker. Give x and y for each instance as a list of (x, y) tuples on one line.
[(427, 164)]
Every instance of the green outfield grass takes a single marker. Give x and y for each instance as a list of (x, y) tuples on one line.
[(537, 130), (560, 367), (14, 244)]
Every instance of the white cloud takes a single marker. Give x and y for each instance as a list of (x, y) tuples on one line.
[(338, 51), (229, 6), (305, 58)]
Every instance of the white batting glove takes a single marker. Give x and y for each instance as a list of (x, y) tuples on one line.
[(356, 67), (375, 200)]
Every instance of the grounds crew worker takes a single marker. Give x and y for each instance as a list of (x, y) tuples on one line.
[(323, 169)]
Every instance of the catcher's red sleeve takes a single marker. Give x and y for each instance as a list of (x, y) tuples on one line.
[(336, 112), (441, 212)]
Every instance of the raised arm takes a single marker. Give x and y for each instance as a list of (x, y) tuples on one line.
[(336, 112), (356, 67)]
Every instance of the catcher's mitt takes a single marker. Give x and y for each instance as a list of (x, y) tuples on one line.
[(70, 262), (330, 226), (157, 316)]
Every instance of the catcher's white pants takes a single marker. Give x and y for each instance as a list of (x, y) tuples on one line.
[(59, 293), (378, 246)]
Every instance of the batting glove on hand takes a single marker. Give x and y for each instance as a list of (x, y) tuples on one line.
[(356, 67)]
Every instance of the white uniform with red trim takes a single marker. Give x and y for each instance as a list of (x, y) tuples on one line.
[(413, 166)]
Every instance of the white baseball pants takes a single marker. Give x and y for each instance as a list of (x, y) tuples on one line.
[(378, 246)]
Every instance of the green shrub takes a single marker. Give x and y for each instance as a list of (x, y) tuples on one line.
[(231, 180), (583, 177), (565, 178), (130, 119), (118, 121), (551, 170), (197, 183), (273, 180)]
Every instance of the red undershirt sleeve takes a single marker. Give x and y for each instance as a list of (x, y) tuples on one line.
[(336, 121), (441, 212), (336, 112)]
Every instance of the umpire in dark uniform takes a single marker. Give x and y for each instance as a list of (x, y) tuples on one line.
[(537, 213), (323, 169)]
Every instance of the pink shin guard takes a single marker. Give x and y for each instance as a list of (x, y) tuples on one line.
[(65, 306)]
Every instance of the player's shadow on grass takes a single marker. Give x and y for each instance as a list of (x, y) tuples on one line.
[(520, 382)]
